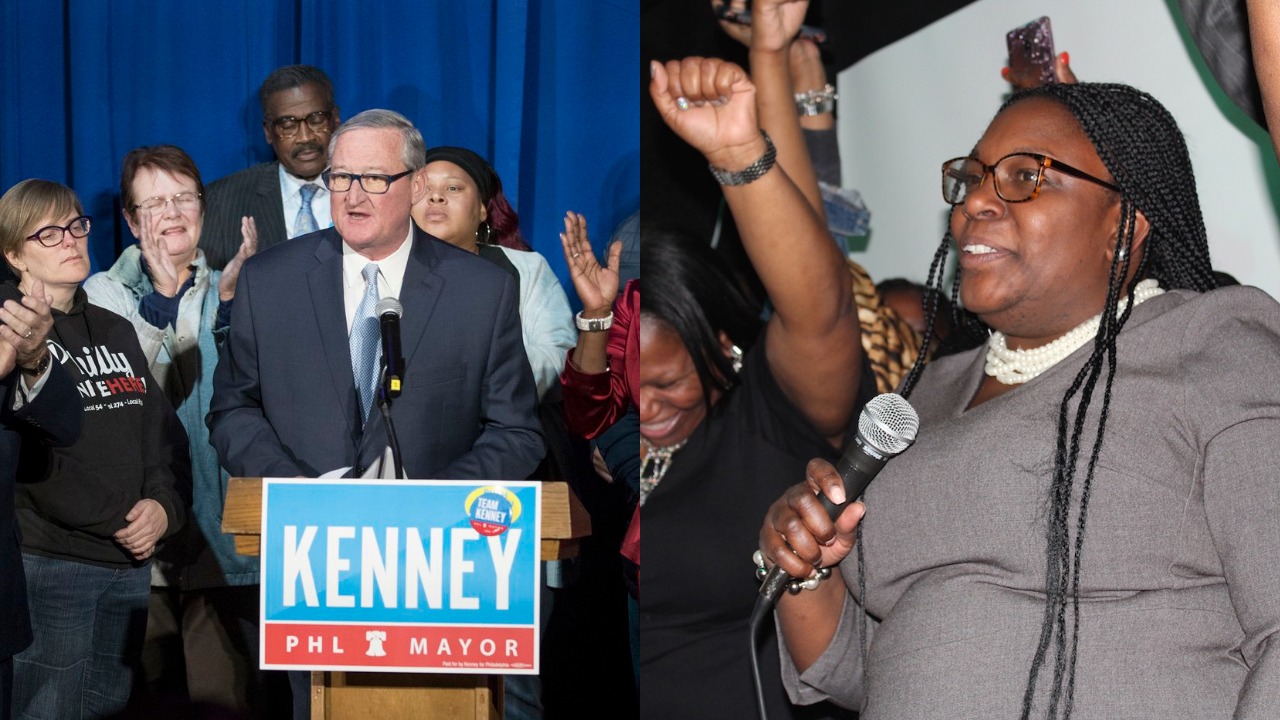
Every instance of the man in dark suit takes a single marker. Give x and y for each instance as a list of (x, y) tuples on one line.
[(286, 398), (39, 405), (285, 197)]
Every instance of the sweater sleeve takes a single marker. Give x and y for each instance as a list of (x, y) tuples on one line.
[(1237, 415), (545, 321)]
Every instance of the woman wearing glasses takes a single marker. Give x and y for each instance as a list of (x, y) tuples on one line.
[(204, 604), (1086, 525), (91, 514)]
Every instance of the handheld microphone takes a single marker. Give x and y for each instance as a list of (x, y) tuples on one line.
[(388, 311), (887, 426)]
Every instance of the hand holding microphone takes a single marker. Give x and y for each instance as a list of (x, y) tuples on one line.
[(806, 528)]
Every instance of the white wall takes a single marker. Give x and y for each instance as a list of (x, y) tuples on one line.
[(930, 96)]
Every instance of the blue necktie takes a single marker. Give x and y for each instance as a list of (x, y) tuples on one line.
[(365, 349), (305, 222)]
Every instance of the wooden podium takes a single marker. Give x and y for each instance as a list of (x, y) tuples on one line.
[(341, 695)]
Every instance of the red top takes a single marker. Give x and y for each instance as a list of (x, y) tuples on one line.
[(593, 402)]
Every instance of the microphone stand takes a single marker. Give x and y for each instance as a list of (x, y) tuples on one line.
[(384, 406)]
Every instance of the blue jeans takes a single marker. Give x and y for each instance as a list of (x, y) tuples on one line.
[(89, 623)]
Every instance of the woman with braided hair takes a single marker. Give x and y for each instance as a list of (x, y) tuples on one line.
[(1087, 523)]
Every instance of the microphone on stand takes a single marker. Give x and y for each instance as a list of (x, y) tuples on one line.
[(388, 311), (887, 426)]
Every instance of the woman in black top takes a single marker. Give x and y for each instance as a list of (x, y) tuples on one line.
[(91, 514)]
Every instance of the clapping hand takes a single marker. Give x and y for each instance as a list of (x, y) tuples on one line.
[(25, 328), (248, 246), (155, 250)]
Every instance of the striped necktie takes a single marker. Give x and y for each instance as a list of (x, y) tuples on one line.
[(366, 352)]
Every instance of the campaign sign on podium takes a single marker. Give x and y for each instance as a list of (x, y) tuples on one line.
[(435, 576)]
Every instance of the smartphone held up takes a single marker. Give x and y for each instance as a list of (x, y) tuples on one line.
[(1031, 56)]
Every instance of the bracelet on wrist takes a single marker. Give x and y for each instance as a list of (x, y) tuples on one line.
[(816, 102), (794, 585), (752, 172), (593, 324)]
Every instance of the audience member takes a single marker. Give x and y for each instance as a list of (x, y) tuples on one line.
[(276, 415), (600, 380), (722, 416), (1131, 435), (284, 197), (464, 205), (91, 514), (38, 405), (202, 628)]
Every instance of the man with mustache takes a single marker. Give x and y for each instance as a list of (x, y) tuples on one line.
[(285, 198)]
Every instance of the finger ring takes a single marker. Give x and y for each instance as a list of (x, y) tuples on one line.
[(27, 336), (761, 571), (682, 103), (576, 254)]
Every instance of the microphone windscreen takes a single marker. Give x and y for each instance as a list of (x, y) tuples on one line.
[(388, 305), (888, 423)]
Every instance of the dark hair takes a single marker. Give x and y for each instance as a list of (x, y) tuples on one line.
[(687, 286), (502, 219), (169, 158), (1143, 149), (292, 76)]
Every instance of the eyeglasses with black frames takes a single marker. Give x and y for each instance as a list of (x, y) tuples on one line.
[(1017, 176), (286, 126), (183, 201), (53, 235), (372, 183)]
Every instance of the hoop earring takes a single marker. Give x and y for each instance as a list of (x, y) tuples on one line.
[(487, 232)]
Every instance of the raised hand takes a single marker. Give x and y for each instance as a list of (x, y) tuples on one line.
[(737, 31), (26, 327), (711, 104), (155, 250), (231, 272), (596, 286), (775, 23)]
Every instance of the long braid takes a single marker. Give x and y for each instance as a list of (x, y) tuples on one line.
[(1140, 144)]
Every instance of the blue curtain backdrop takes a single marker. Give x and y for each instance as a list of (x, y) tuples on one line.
[(546, 89)]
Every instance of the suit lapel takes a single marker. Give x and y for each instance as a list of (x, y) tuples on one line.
[(325, 283), (419, 294)]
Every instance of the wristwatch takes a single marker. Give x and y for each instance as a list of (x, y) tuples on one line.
[(593, 324), (40, 367)]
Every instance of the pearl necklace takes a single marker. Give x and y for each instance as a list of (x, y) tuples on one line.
[(1014, 367), (657, 460)]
